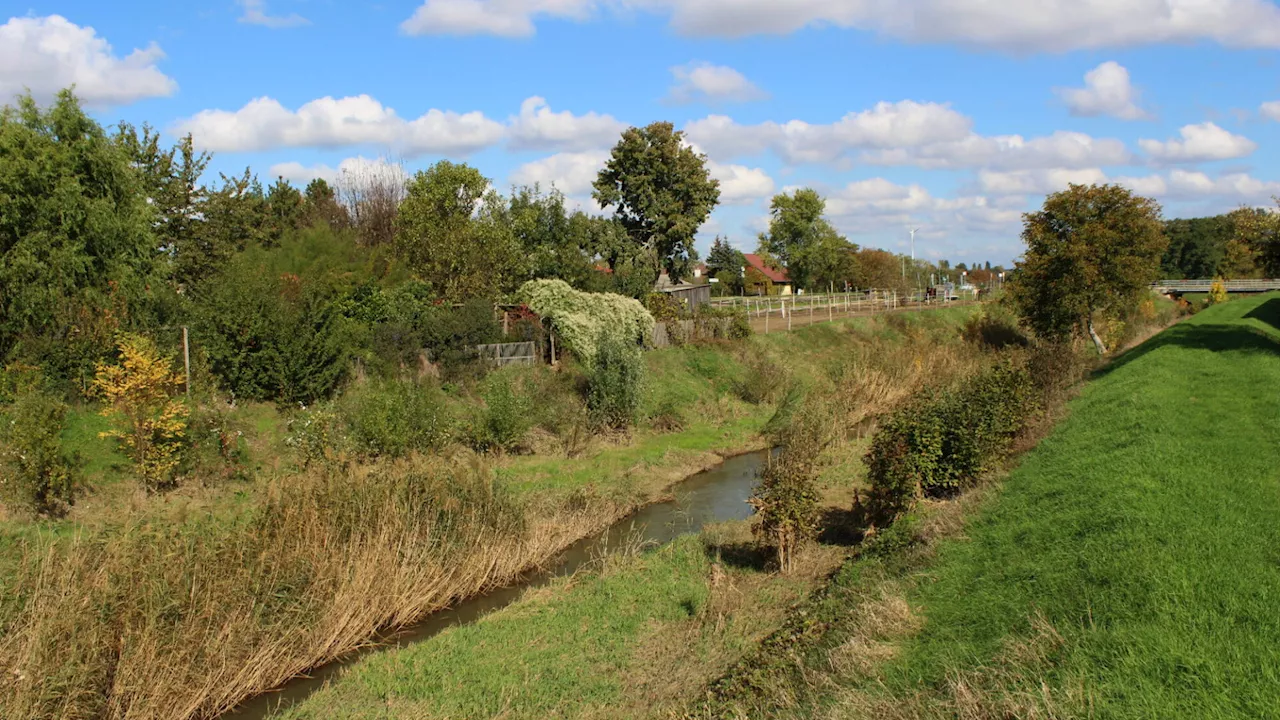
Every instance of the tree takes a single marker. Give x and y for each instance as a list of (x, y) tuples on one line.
[(727, 264), (320, 205), (234, 218), (140, 395), (1254, 249), (170, 179), (371, 194), (805, 243), (661, 191), (878, 269), (1092, 250), (1197, 246), (78, 250), (445, 235), (285, 209)]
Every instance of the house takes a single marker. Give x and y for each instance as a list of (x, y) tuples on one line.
[(777, 281), (699, 270)]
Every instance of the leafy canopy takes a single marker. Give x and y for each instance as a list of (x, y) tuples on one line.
[(662, 192), (1091, 250)]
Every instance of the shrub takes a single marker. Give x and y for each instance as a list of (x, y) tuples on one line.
[(507, 414), (151, 422), (740, 325), (216, 450), (1217, 292), (943, 440), (787, 498), (35, 473), (585, 320), (614, 383), (764, 379), (667, 416), (318, 435), (994, 328), (390, 418)]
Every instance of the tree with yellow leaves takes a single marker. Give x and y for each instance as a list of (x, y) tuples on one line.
[(140, 395), (1217, 292)]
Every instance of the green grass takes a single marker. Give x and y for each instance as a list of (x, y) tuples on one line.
[(553, 654), (1127, 568)]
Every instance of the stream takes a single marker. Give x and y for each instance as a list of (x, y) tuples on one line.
[(715, 495)]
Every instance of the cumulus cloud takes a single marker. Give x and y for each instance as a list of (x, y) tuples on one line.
[(47, 54), (505, 18), (1106, 91), (876, 206), (328, 123), (1037, 182), (1271, 110), (887, 125), (572, 173), (707, 83), (1043, 26), (255, 13), (538, 128), (741, 185), (300, 174), (1177, 184), (1199, 143), (1008, 152)]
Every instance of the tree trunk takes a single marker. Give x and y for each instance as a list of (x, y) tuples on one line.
[(1097, 341)]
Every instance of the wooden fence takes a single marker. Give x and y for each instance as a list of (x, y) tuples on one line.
[(517, 353)]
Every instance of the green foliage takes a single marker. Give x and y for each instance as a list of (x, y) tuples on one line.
[(1197, 246), (78, 255), (1091, 251), (507, 414), (390, 418), (944, 439), (727, 265), (216, 450), (662, 192), (803, 241), (449, 230), (765, 379), (319, 436), (320, 205), (583, 320), (615, 383), (268, 336), (786, 500), (36, 473), (994, 328)]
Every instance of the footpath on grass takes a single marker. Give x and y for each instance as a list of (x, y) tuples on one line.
[(1127, 568)]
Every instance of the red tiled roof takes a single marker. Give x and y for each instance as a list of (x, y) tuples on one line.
[(758, 263)]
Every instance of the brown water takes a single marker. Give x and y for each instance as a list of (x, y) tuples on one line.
[(716, 495)]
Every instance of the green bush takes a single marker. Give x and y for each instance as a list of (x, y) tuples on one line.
[(584, 320), (994, 328), (786, 500), (216, 449), (614, 383), (507, 414), (943, 440), (764, 380), (390, 418), (318, 435), (35, 472)]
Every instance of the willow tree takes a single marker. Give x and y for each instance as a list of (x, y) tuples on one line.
[(1092, 251)]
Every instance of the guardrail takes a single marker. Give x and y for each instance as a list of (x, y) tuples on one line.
[(1204, 284)]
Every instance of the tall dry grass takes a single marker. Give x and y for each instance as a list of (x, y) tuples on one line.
[(184, 621)]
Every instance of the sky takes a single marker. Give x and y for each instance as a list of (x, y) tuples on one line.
[(950, 116)]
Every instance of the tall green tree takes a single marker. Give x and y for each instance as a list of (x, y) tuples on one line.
[(320, 205), (285, 209), (661, 192), (78, 249), (449, 231), (555, 242), (170, 179), (1092, 250), (1197, 246), (727, 265), (806, 243), (234, 217)]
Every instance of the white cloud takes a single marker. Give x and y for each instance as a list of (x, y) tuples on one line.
[(328, 123), (707, 83), (1009, 152), (1037, 182), (255, 13), (1106, 91), (1202, 142), (505, 18), (1041, 26), (300, 174), (1271, 110), (1177, 184), (47, 54), (1238, 187), (572, 173), (538, 128), (741, 185), (887, 125), (878, 206)]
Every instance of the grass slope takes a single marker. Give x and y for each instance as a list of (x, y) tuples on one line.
[(1129, 567)]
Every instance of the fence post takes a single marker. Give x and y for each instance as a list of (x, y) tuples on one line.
[(186, 358), (793, 312)]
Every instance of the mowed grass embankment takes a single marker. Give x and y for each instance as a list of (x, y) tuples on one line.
[(1129, 567)]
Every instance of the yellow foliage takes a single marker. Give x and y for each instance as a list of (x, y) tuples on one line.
[(1217, 292), (140, 395)]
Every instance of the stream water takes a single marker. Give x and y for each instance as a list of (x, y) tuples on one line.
[(715, 495)]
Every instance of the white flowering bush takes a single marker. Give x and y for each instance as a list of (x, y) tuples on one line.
[(581, 319)]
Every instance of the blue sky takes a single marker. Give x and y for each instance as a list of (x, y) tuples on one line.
[(953, 116)]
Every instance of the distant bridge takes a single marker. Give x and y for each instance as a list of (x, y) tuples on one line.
[(1180, 287)]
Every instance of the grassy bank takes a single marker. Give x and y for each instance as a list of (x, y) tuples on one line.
[(178, 605), (1123, 569)]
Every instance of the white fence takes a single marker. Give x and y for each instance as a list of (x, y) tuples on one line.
[(521, 353)]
